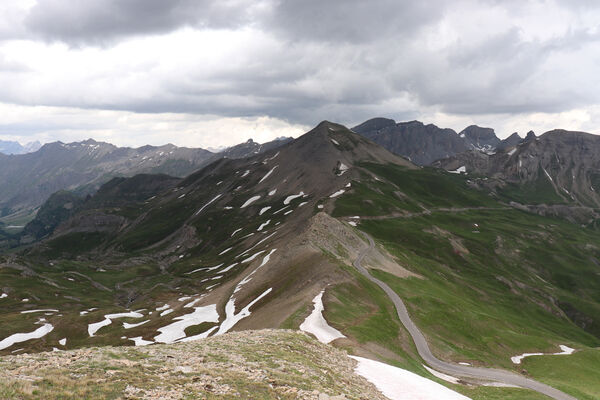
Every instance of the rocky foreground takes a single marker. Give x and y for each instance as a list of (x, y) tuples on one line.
[(266, 364)]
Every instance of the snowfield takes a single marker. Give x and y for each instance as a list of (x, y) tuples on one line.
[(316, 324), (338, 193), (400, 384)]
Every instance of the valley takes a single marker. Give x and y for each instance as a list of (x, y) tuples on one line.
[(153, 262)]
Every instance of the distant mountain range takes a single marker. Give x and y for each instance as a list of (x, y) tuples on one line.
[(8, 147), (27, 180)]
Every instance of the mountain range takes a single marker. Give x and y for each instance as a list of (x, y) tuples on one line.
[(28, 180), (449, 271), (10, 147)]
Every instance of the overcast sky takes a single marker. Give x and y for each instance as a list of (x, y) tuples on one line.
[(210, 73)]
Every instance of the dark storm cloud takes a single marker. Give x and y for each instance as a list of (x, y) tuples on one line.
[(344, 60), (103, 21)]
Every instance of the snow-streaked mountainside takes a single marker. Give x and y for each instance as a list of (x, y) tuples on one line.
[(27, 180), (290, 238), (558, 167)]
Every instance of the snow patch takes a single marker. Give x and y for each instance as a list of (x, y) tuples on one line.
[(459, 170), (93, 328), (139, 341), (565, 350), (62, 341), (264, 210), (399, 384), (250, 201), (513, 151), (23, 337), (267, 174), (292, 197), (245, 173), (342, 168), (129, 326), (207, 204), (231, 318), (336, 194), (236, 231), (316, 324), (334, 141), (262, 226), (272, 192), (176, 330)]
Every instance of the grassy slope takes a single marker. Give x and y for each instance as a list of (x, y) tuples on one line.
[(490, 297)]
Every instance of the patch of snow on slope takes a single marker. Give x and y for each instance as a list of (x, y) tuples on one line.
[(42, 310), (250, 201), (207, 204), (166, 312), (399, 384), (140, 342), (22, 337), (245, 173), (513, 151), (264, 210), (272, 192), (225, 251), (292, 197), (129, 326), (249, 277), (268, 174), (3, 295), (231, 318), (334, 141), (336, 194), (176, 330), (352, 223), (93, 328), (316, 324), (262, 226), (62, 341), (547, 174), (343, 168), (459, 170), (236, 231), (565, 350)]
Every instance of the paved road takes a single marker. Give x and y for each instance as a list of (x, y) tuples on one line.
[(485, 374)]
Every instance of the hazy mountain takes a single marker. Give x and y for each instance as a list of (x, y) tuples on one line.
[(8, 147)]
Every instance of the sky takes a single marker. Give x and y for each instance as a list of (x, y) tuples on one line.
[(204, 73)]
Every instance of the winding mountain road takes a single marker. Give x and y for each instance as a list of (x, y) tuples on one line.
[(485, 374)]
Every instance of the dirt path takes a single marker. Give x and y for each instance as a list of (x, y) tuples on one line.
[(485, 374)]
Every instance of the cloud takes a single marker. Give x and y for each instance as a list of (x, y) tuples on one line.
[(104, 21), (302, 62)]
